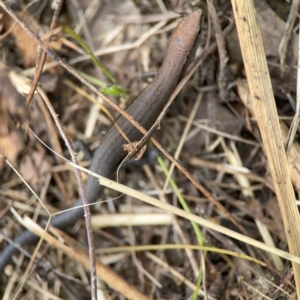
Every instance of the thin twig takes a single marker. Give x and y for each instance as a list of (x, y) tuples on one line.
[(296, 119), (223, 57), (289, 25), (82, 193), (43, 56)]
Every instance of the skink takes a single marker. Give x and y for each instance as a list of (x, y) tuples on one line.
[(145, 110)]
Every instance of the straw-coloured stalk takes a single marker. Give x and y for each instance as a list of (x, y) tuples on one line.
[(263, 104)]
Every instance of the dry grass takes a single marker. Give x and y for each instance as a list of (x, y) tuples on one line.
[(230, 134)]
